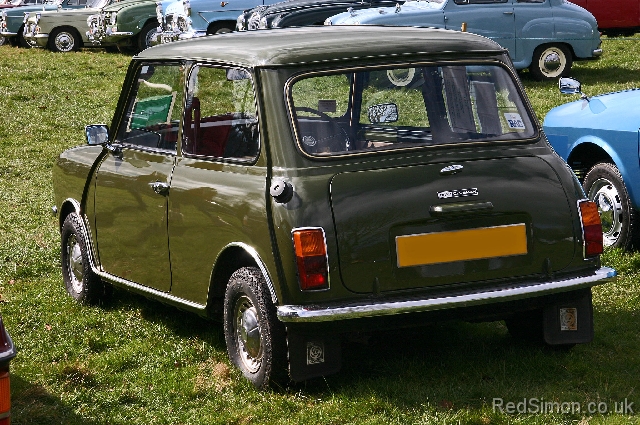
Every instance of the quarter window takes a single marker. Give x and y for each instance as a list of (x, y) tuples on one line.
[(220, 117), (153, 114)]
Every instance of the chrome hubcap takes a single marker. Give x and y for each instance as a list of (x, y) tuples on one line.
[(74, 255), (248, 334), (605, 195), (401, 77), (64, 42), (552, 62)]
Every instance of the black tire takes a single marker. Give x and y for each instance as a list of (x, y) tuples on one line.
[(604, 185), (550, 61), (526, 326), (81, 282), (255, 337), (221, 28), (143, 39), (64, 40)]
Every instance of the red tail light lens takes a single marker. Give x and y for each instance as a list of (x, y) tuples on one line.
[(311, 258), (591, 228), (5, 397)]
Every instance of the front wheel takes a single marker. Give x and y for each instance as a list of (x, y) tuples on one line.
[(254, 336), (220, 28), (146, 36), (550, 62), (80, 281), (604, 186), (64, 40)]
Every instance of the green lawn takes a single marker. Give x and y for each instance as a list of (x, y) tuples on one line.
[(139, 362)]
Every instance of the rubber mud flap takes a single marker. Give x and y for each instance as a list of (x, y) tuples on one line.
[(313, 355), (569, 321)]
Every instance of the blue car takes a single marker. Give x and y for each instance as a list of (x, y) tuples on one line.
[(545, 36), (599, 139)]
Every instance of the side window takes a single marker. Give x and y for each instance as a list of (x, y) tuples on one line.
[(221, 120), (155, 107)]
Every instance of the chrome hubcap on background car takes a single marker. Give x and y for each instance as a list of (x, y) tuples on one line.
[(74, 255), (64, 42), (551, 62), (605, 195), (248, 334), (401, 77)]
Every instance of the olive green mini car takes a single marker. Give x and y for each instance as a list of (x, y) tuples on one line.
[(285, 183)]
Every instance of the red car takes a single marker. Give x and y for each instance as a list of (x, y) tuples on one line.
[(7, 352), (615, 17)]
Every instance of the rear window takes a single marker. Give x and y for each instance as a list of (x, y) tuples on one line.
[(382, 109)]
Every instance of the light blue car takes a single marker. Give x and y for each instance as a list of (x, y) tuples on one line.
[(545, 36), (184, 19), (599, 139)]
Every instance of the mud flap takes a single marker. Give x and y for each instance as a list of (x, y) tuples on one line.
[(313, 355), (569, 321)]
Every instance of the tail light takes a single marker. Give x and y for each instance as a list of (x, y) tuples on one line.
[(311, 258), (591, 228), (7, 352)]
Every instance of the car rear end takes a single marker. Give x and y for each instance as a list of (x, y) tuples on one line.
[(427, 187)]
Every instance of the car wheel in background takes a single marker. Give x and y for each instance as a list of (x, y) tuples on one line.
[(550, 62), (220, 28), (81, 282), (254, 336), (3, 41), (145, 36), (64, 40), (604, 186)]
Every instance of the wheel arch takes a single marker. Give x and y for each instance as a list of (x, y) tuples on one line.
[(215, 25), (68, 206), (588, 151), (230, 259)]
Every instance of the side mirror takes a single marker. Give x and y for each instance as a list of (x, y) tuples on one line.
[(383, 112), (97, 134), (569, 86)]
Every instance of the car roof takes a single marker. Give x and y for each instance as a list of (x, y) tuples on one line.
[(322, 44)]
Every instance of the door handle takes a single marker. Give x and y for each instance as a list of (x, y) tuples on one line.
[(160, 188), (508, 13)]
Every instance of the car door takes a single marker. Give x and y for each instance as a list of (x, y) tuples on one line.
[(218, 189), (493, 19), (534, 25), (132, 182)]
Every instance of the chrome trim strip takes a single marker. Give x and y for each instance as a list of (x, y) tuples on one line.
[(319, 313)]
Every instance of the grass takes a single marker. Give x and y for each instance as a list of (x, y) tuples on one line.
[(136, 361)]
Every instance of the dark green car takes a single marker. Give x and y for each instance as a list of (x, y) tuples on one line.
[(291, 185)]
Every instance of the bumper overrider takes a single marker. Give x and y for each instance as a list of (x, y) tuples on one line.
[(31, 32), (373, 308), (176, 27)]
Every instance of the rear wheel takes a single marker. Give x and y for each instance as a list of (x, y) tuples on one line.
[(254, 336), (550, 62), (526, 326), (80, 281), (604, 186), (64, 40)]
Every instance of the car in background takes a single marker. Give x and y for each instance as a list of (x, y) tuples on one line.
[(7, 353), (16, 3), (615, 17), (184, 19), (12, 20), (545, 36), (298, 13), (61, 30), (131, 25), (277, 181), (598, 136)]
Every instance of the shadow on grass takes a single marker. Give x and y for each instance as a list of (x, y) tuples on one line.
[(32, 404)]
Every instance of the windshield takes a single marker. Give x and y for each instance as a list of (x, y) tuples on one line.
[(97, 4), (393, 108)]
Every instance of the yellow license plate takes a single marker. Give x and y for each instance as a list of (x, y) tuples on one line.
[(461, 245)]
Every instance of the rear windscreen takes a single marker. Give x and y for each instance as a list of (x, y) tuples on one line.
[(392, 108)]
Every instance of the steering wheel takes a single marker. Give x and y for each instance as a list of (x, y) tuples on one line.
[(322, 136)]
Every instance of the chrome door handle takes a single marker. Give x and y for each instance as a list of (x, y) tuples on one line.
[(160, 188), (508, 13)]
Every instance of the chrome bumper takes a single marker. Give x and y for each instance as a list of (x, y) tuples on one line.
[(597, 53), (326, 313), (38, 40)]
